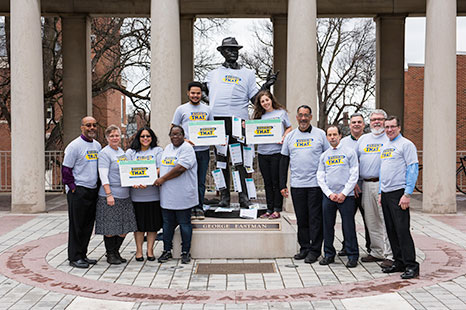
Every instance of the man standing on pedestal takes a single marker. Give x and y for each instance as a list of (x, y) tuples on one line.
[(398, 175), (230, 88), (193, 111), (369, 148), (301, 151), (80, 176), (356, 127)]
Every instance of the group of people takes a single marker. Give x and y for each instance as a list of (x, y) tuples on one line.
[(118, 210), (327, 173), (374, 172)]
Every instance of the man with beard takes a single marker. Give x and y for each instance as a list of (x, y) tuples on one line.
[(369, 148), (80, 176), (301, 152)]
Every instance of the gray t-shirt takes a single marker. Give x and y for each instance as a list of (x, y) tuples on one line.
[(274, 148), (150, 193), (369, 146), (348, 141), (181, 192), (109, 158), (230, 91), (396, 156), (81, 156), (304, 150), (338, 171), (189, 112)]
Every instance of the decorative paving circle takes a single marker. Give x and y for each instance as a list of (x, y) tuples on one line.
[(27, 264)]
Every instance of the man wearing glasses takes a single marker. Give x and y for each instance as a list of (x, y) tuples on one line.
[(368, 151), (301, 152), (80, 176), (398, 175)]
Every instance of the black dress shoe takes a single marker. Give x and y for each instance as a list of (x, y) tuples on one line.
[(352, 263), (140, 259), (393, 268), (342, 252), (301, 255), (410, 274), (310, 258), (90, 261), (150, 258), (80, 263), (327, 260)]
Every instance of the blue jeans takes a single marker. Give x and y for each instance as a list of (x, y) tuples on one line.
[(171, 219), (202, 158), (329, 211)]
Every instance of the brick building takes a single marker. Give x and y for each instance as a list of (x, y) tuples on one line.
[(414, 98)]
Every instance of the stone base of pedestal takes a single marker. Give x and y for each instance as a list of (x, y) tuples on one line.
[(240, 238)]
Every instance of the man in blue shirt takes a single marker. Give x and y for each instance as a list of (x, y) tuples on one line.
[(398, 175)]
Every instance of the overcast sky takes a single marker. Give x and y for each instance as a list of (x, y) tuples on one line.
[(414, 38)]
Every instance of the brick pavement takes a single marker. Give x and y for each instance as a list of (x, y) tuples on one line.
[(34, 274)]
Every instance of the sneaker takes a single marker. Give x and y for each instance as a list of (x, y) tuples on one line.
[(185, 258), (165, 257), (200, 214)]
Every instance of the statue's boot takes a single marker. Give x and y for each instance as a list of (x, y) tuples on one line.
[(224, 198), (244, 201)]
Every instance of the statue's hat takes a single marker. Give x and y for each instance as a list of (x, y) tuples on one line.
[(229, 42)]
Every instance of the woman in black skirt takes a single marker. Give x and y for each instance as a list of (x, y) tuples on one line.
[(146, 199)]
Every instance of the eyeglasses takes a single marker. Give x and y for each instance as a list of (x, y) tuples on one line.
[(146, 136), (89, 125)]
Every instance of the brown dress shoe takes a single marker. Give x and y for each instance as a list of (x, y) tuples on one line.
[(370, 259)]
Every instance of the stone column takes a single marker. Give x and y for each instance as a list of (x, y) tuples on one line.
[(439, 140), (187, 53), (279, 56), (301, 87), (165, 65), (390, 64), (77, 79), (27, 109)]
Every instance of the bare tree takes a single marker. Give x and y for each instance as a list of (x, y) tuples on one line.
[(345, 64)]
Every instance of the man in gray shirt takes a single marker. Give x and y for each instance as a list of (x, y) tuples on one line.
[(301, 151), (80, 177)]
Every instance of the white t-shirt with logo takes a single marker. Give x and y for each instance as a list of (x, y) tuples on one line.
[(395, 157), (179, 193), (189, 112), (150, 193), (109, 158), (304, 150), (274, 148), (369, 148), (230, 91), (81, 156), (338, 171)]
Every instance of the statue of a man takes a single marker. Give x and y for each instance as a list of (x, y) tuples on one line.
[(230, 88)]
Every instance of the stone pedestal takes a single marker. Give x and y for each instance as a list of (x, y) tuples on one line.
[(241, 239)]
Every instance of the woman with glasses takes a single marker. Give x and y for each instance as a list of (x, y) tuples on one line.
[(146, 199), (114, 214), (266, 106), (178, 193)]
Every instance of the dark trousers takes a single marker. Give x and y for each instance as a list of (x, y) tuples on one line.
[(202, 158), (357, 202), (269, 166), (81, 217), (240, 168), (307, 203), (398, 230), (347, 210), (171, 219)]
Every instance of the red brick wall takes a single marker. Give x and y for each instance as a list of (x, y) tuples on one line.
[(414, 98)]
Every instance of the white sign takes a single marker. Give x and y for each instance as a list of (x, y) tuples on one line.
[(235, 154), (248, 213), (219, 179), (265, 131), (137, 172), (222, 149), (207, 132), (236, 128), (237, 182), (248, 155), (251, 188)]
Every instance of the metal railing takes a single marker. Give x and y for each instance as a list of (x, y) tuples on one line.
[(54, 160)]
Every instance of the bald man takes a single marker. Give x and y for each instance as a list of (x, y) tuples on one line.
[(80, 176)]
